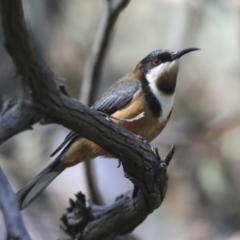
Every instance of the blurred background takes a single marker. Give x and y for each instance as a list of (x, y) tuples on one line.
[(203, 196)]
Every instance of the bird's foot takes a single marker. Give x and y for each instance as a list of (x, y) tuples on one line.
[(168, 156), (119, 163)]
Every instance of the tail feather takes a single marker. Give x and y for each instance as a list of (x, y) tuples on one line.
[(29, 192)]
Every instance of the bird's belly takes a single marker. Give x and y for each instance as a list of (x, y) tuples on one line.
[(81, 150), (148, 127)]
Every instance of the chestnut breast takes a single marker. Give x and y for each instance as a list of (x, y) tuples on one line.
[(148, 127)]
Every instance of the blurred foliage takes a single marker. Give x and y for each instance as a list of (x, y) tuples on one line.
[(203, 196)]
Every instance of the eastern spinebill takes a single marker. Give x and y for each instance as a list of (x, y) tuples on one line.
[(149, 88)]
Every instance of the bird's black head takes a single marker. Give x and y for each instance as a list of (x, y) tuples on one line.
[(160, 68), (159, 57)]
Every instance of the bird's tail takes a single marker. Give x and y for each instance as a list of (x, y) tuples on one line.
[(29, 192)]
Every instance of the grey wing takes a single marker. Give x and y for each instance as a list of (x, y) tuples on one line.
[(117, 97)]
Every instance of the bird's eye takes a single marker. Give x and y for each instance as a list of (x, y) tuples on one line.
[(156, 62)]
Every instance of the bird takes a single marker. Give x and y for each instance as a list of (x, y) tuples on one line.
[(149, 89)]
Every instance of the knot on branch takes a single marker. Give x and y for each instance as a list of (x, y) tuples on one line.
[(77, 217)]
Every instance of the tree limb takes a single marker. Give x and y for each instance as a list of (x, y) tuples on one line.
[(11, 211), (92, 74), (17, 117)]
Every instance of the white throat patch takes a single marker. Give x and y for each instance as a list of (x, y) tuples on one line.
[(165, 100)]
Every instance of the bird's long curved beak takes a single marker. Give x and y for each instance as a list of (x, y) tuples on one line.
[(180, 53)]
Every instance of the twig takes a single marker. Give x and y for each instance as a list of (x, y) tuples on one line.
[(11, 211), (17, 117), (92, 74)]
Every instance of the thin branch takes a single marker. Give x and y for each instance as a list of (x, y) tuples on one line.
[(11, 211), (92, 74), (17, 117), (93, 68)]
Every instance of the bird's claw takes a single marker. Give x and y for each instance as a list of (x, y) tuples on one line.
[(168, 156), (119, 163)]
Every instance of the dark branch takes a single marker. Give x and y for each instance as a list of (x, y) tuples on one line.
[(17, 117), (99, 48), (11, 211), (92, 74), (82, 222), (140, 163)]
